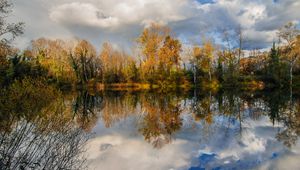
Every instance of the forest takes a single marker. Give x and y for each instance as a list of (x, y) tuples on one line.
[(159, 61)]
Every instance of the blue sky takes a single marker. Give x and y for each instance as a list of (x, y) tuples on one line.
[(205, 1), (121, 21)]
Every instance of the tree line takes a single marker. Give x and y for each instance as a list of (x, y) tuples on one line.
[(160, 60)]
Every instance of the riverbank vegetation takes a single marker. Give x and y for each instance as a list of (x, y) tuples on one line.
[(159, 61), (158, 64)]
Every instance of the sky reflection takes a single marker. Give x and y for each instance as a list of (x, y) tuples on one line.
[(220, 145), (153, 131)]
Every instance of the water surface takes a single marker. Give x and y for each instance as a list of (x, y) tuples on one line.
[(151, 130)]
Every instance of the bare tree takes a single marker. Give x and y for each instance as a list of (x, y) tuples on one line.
[(8, 31), (240, 35), (288, 34)]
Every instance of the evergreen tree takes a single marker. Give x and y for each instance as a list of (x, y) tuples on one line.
[(274, 68)]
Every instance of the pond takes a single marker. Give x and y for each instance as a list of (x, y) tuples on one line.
[(149, 130)]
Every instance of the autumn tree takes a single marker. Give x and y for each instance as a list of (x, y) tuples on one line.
[(169, 60), (194, 60), (118, 66), (169, 53), (150, 42), (130, 71), (203, 59), (53, 56), (207, 58), (160, 56), (82, 60), (106, 61)]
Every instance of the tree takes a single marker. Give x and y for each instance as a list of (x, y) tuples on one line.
[(208, 58), (195, 60), (82, 60), (150, 42), (220, 69), (274, 64), (8, 32), (203, 58), (118, 67), (232, 53), (53, 55), (169, 53), (105, 58), (168, 59), (131, 71), (288, 34), (240, 45)]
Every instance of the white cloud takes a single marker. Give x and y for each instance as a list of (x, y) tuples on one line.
[(107, 15), (82, 14), (121, 21)]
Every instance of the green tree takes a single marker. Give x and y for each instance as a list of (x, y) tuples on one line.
[(274, 68)]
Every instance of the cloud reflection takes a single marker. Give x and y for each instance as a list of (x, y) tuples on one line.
[(192, 148)]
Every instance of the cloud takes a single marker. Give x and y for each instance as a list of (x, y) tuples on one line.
[(121, 21), (85, 14), (112, 15), (278, 14)]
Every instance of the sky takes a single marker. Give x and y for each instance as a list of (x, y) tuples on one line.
[(121, 21)]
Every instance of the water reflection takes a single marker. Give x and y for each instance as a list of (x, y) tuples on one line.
[(37, 130), (43, 128), (161, 118), (224, 129), (161, 114), (85, 108)]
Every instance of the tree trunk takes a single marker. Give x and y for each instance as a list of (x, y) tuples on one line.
[(195, 74), (209, 73), (291, 73), (291, 83)]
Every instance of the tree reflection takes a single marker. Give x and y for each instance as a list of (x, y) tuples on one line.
[(37, 130), (42, 128), (118, 106), (26, 98), (161, 120), (86, 108), (238, 106), (202, 109), (290, 117), (160, 114)]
